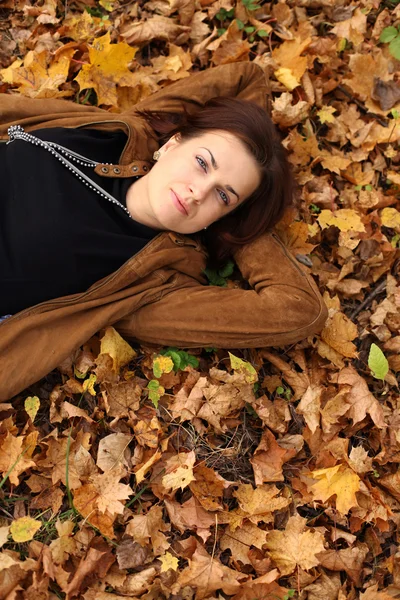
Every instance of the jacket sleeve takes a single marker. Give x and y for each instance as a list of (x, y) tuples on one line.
[(31, 112), (283, 306), (244, 80)]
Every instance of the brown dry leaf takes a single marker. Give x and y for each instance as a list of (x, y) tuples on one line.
[(191, 515), (229, 47), (122, 397), (149, 528), (372, 593), (206, 575), (332, 411), (131, 555), (133, 584), (224, 398), (141, 473), (298, 381), (268, 459), (173, 67), (285, 114), (157, 27), (258, 504), (179, 471), (352, 29), (240, 541), (324, 588), (95, 563), (360, 398), (63, 546), (113, 452), (296, 546), (110, 492), (359, 460), (349, 560), (85, 502), (310, 406), (338, 333), (56, 460), (14, 458), (208, 487), (74, 411), (82, 27), (294, 234), (4, 532), (340, 481)]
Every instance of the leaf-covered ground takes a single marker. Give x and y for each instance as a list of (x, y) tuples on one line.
[(265, 474)]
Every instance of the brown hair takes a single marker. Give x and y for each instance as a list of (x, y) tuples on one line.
[(251, 124)]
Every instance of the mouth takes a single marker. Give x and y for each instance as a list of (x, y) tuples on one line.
[(179, 203)]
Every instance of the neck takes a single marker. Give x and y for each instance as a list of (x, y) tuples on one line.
[(137, 203)]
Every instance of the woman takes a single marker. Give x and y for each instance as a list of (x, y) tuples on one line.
[(115, 255)]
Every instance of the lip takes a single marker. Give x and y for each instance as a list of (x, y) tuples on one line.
[(179, 203)]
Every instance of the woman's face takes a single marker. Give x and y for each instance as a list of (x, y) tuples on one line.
[(198, 181)]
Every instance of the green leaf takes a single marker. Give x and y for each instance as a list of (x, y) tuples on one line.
[(214, 278), (249, 29), (388, 34), (262, 33), (240, 24), (368, 187), (394, 47), (221, 31), (180, 358), (377, 362), (227, 269), (155, 391)]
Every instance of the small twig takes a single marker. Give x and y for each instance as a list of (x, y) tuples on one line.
[(368, 299)]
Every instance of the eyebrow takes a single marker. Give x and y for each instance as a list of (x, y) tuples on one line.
[(214, 164)]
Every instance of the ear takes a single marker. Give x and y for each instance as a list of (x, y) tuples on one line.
[(171, 143)]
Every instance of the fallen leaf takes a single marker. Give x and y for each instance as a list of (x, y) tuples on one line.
[(113, 451), (168, 562), (179, 471), (338, 480), (23, 529), (32, 405), (296, 546), (150, 527), (112, 343), (240, 541)]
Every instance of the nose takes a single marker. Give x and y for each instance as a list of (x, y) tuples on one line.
[(198, 191)]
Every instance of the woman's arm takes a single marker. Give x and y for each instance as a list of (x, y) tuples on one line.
[(283, 307), (244, 80)]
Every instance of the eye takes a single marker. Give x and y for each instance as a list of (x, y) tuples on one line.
[(224, 197), (202, 163)]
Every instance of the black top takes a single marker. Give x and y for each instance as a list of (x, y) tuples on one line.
[(57, 237)]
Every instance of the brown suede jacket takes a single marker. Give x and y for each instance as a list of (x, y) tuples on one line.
[(160, 295)]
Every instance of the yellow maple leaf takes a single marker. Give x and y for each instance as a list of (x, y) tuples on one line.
[(38, 77), (325, 115), (390, 217), (23, 529), (108, 66), (168, 562), (287, 78), (119, 350), (297, 545), (345, 219), (340, 481)]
